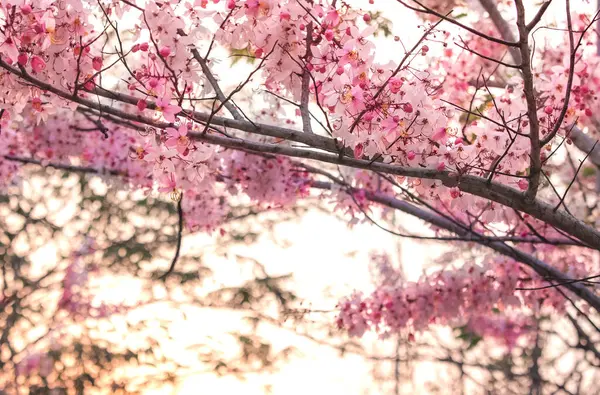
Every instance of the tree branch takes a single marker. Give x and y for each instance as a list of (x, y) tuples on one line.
[(305, 95), (535, 160), (478, 186), (540, 267)]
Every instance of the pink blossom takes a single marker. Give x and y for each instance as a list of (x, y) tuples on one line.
[(168, 110), (178, 138), (37, 64), (97, 63), (167, 183)]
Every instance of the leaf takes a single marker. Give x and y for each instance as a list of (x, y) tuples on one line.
[(239, 54), (589, 171)]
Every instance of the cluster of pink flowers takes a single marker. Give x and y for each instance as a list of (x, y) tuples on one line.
[(441, 298), (452, 297), (401, 115), (274, 182)]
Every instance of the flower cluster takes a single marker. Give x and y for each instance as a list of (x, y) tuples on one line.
[(452, 297)]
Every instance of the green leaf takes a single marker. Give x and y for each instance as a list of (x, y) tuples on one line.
[(589, 171), (239, 54)]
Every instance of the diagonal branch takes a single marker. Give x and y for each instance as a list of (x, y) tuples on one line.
[(213, 82), (464, 233), (537, 265), (503, 27), (474, 185)]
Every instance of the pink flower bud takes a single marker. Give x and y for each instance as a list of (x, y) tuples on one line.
[(141, 105), (97, 63), (407, 107), (164, 52), (26, 9), (23, 59), (144, 47), (284, 16), (329, 34), (548, 110), (358, 151), (37, 64), (523, 184), (367, 18)]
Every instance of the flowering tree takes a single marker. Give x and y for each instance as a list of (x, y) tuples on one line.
[(484, 127)]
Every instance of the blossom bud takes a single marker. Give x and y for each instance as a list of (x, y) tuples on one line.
[(97, 63), (523, 184), (23, 59), (164, 52), (37, 64), (141, 105), (26, 9)]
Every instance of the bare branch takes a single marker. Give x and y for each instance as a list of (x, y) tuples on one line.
[(503, 27), (306, 83), (179, 239), (213, 81), (534, 124)]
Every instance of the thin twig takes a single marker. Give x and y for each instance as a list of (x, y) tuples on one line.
[(179, 238)]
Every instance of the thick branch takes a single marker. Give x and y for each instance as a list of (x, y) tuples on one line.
[(585, 144), (503, 27), (305, 95), (535, 160), (478, 186)]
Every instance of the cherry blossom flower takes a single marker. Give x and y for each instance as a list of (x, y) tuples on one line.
[(167, 110), (178, 138)]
